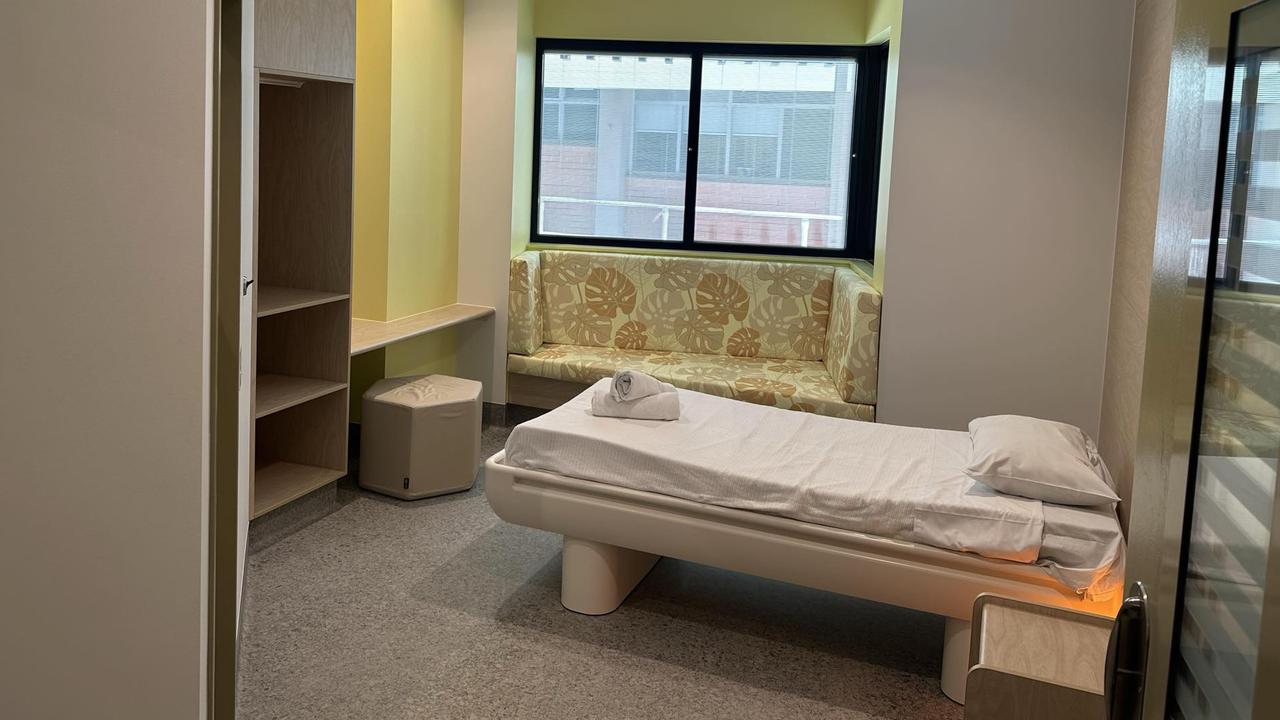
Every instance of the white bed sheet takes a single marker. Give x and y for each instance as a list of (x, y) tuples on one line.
[(1084, 548), (884, 480)]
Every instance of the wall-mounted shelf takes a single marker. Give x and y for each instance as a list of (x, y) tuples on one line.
[(280, 392), (273, 299), (279, 483), (369, 335)]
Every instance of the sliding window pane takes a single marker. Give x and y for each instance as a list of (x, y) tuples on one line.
[(774, 151), (612, 157), (1259, 255)]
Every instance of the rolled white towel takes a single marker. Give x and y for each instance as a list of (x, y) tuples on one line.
[(663, 406), (629, 385)]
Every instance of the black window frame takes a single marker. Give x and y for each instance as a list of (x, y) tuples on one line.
[(864, 164)]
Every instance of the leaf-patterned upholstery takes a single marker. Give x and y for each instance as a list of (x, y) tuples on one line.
[(524, 304), (789, 384), (853, 338), (754, 330), (695, 305)]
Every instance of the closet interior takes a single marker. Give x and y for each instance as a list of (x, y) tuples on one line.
[(304, 94)]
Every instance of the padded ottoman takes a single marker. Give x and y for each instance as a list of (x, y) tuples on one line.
[(420, 436)]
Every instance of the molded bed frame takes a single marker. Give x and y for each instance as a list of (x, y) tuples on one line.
[(613, 536)]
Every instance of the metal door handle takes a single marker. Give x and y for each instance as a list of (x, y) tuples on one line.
[(1127, 657)]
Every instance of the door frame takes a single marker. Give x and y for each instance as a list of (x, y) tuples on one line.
[(224, 405)]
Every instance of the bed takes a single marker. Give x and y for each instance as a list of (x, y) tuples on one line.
[(867, 510)]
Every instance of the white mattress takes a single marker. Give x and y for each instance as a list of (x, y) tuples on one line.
[(884, 480)]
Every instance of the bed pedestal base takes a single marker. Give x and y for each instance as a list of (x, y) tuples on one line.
[(596, 578), (955, 658)]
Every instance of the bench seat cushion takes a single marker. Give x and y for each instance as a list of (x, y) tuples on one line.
[(790, 384)]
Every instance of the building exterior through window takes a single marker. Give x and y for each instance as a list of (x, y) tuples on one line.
[(773, 151)]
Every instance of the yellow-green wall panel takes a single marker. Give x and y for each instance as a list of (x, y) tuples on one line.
[(408, 163), (522, 185), (366, 369), (424, 355), (832, 22), (882, 15), (426, 137), (372, 159), (884, 22)]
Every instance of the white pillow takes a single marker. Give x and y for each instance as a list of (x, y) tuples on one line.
[(1038, 459)]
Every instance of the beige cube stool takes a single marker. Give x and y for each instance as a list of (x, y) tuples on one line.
[(420, 436)]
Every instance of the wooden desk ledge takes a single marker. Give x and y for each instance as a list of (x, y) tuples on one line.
[(369, 335)]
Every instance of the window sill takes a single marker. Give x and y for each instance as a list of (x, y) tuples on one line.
[(858, 265)]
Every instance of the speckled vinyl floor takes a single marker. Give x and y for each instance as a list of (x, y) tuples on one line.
[(438, 609)]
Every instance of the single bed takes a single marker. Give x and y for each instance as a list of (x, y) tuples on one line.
[(873, 511)]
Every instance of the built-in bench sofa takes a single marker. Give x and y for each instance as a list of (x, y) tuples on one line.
[(800, 336)]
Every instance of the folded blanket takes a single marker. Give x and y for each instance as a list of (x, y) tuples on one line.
[(631, 385), (663, 406)]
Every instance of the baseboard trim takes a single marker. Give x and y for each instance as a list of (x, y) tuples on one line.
[(539, 392)]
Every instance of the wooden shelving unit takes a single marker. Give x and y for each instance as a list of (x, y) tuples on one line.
[(273, 300), (281, 392), (303, 245), (280, 483)]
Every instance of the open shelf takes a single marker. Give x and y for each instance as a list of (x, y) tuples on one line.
[(369, 335), (303, 270), (279, 392), (273, 299), (299, 449), (279, 483)]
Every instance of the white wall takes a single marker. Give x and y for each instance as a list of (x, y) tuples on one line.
[(493, 221), (103, 279), (1002, 209)]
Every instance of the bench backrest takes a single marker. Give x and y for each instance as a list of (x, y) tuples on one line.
[(709, 306), (745, 308)]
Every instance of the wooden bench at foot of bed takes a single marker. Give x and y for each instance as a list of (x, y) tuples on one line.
[(614, 535)]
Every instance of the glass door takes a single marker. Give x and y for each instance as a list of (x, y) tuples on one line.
[(1218, 669)]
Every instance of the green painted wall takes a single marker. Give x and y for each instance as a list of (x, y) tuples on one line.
[(522, 186), (408, 157), (372, 168), (426, 147), (826, 22), (882, 15), (884, 22)]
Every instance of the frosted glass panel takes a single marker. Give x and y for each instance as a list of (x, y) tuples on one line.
[(1215, 663)]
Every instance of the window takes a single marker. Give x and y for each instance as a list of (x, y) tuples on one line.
[(786, 152), (1248, 256), (570, 116)]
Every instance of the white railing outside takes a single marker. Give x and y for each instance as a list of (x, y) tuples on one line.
[(1260, 259), (805, 219)]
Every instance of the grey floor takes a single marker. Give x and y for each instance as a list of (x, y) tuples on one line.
[(437, 609)]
